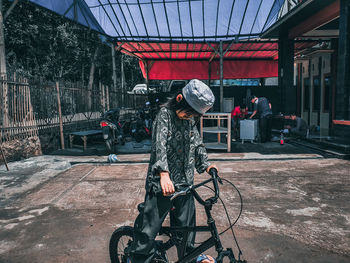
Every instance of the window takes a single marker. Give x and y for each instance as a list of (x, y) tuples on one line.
[(316, 93), (306, 94), (327, 93)]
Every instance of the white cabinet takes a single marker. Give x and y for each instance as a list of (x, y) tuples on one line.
[(248, 130), (219, 128)]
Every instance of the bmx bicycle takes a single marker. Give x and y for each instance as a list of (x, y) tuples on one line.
[(121, 238)]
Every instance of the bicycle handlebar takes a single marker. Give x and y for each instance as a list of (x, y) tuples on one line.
[(212, 200)]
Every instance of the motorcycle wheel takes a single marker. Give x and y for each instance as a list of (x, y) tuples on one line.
[(139, 136)]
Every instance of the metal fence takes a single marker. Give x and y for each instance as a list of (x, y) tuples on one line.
[(31, 108)]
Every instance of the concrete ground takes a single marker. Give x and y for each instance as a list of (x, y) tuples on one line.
[(64, 208)]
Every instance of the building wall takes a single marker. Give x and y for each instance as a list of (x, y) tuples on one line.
[(313, 116)]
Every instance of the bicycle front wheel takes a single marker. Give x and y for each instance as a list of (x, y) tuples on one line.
[(120, 240)]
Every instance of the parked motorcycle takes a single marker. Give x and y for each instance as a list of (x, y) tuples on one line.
[(112, 130), (141, 127)]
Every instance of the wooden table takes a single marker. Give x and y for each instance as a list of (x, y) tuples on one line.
[(83, 135)]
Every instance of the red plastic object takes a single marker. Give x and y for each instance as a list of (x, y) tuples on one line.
[(104, 123)]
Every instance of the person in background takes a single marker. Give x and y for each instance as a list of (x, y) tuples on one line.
[(299, 127), (145, 115), (237, 114), (262, 109)]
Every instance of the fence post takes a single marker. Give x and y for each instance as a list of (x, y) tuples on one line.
[(4, 157), (4, 106), (60, 114)]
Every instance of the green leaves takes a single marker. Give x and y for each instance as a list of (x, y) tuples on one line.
[(44, 43)]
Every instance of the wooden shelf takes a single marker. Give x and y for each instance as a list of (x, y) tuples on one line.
[(218, 129), (216, 146), (215, 129)]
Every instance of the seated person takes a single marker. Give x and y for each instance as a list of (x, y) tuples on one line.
[(237, 114), (298, 127)]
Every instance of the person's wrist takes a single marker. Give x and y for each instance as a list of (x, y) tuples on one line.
[(162, 174)]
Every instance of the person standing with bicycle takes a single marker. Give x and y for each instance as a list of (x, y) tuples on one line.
[(177, 149)]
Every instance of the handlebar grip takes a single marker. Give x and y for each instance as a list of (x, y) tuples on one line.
[(176, 194), (213, 171), (214, 174)]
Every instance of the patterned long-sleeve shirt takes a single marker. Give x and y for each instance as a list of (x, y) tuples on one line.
[(176, 148)]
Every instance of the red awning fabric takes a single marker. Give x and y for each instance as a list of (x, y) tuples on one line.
[(199, 51), (190, 69), (173, 61), (205, 51)]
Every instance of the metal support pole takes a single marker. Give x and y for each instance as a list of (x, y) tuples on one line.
[(147, 80), (209, 73), (342, 105), (3, 72), (114, 77), (122, 80), (221, 79), (285, 74), (2, 44)]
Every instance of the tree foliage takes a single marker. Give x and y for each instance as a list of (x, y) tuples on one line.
[(42, 44)]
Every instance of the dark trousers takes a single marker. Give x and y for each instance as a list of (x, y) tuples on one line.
[(265, 127), (298, 133), (235, 126), (149, 221)]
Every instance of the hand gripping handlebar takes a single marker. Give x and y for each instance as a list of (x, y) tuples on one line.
[(210, 201)]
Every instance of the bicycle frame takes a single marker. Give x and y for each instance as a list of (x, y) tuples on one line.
[(214, 240)]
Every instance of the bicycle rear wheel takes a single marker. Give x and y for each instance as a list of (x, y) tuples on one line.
[(120, 240)]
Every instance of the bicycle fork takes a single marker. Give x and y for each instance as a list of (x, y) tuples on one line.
[(226, 253), (221, 252)]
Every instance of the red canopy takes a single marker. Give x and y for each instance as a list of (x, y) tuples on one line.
[(189, 69), (171, 61)]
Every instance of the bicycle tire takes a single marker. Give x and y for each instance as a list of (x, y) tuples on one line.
[(117, 243)]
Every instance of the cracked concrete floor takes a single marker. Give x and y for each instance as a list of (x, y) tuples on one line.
[(294, 211)]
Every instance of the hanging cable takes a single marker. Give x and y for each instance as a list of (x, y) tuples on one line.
[(228, 217)]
